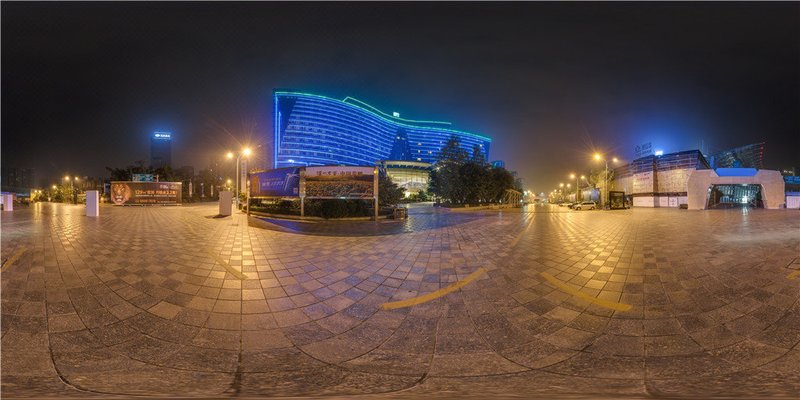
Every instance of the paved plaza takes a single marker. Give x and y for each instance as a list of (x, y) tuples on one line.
[(543, 302)]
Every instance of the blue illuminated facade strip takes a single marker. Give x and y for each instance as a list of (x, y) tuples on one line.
[(310, 129)]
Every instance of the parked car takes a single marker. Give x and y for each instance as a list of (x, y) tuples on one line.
[(588, 205)]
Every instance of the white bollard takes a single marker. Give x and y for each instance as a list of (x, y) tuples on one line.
[(8, 202), (92, 203), (225, 199)]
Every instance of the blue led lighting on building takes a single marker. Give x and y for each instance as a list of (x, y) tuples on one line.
[(310, 129)]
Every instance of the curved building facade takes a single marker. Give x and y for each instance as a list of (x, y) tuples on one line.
[(310, 129)]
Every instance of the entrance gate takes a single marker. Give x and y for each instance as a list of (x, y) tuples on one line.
[(734, 195)]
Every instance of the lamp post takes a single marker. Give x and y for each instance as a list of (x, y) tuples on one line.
[(245, 152), (71, 187), (598, 157)]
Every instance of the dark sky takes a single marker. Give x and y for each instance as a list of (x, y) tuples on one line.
[(84, 84)]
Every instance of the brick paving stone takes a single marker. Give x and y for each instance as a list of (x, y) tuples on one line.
[(136, 303)]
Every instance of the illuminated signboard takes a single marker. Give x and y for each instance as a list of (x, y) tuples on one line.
[(339, 182), (281, 182), (143, 178), (162, 135), (145, 193)]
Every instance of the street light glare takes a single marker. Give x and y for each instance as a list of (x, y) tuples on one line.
[(571, 176), (229, 155), (614, 159), (597, 156), (246, 151), (66, 178)]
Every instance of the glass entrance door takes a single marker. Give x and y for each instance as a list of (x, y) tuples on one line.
[(734, 195)]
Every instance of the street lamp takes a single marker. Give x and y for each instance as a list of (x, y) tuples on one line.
[(71, 187), (245, 152), (598, 157), (577, 186)]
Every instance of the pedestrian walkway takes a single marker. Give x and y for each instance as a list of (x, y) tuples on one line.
[(168, 301)]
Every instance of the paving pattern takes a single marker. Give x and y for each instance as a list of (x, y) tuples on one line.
[(169, 301)]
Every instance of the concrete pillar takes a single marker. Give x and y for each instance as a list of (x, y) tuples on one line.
[(225, 200), (92, 203), (8, 202)]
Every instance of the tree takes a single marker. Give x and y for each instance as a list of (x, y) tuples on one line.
[(119, 174), (459, 178), (452, 153), (500, 180), (445, 177), (476, 182), (389, 193), (477, 155)]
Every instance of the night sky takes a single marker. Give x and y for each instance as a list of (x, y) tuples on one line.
[(84, 84)]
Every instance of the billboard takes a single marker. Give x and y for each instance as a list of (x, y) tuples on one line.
[(145, 193), (281, 182), (338, 182), (143, 178)]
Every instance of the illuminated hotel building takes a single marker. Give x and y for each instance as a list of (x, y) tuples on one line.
[(310, 129), (161, 149)]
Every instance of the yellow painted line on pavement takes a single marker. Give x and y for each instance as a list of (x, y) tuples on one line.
[(433, 295), (228, 267), (793, 274), (583, 296), (14, 258)]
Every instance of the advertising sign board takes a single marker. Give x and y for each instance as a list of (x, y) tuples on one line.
[(338, 182), (281, 182), (143, 178), (145, 193)]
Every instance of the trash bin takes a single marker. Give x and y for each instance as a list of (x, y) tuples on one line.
[(400, 213)]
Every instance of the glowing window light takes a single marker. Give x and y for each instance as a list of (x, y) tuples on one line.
[(659, 152)]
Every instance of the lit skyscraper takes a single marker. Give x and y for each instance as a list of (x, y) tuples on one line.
[(161, 149)]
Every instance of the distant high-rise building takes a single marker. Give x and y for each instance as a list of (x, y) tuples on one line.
[(749, 156), (161, 149), (16, 179)]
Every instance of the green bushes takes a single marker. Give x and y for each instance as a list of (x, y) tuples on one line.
[(276, 206), (335, 208)]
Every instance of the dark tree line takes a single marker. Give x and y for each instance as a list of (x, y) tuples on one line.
[(462, 178), (165, 174)]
